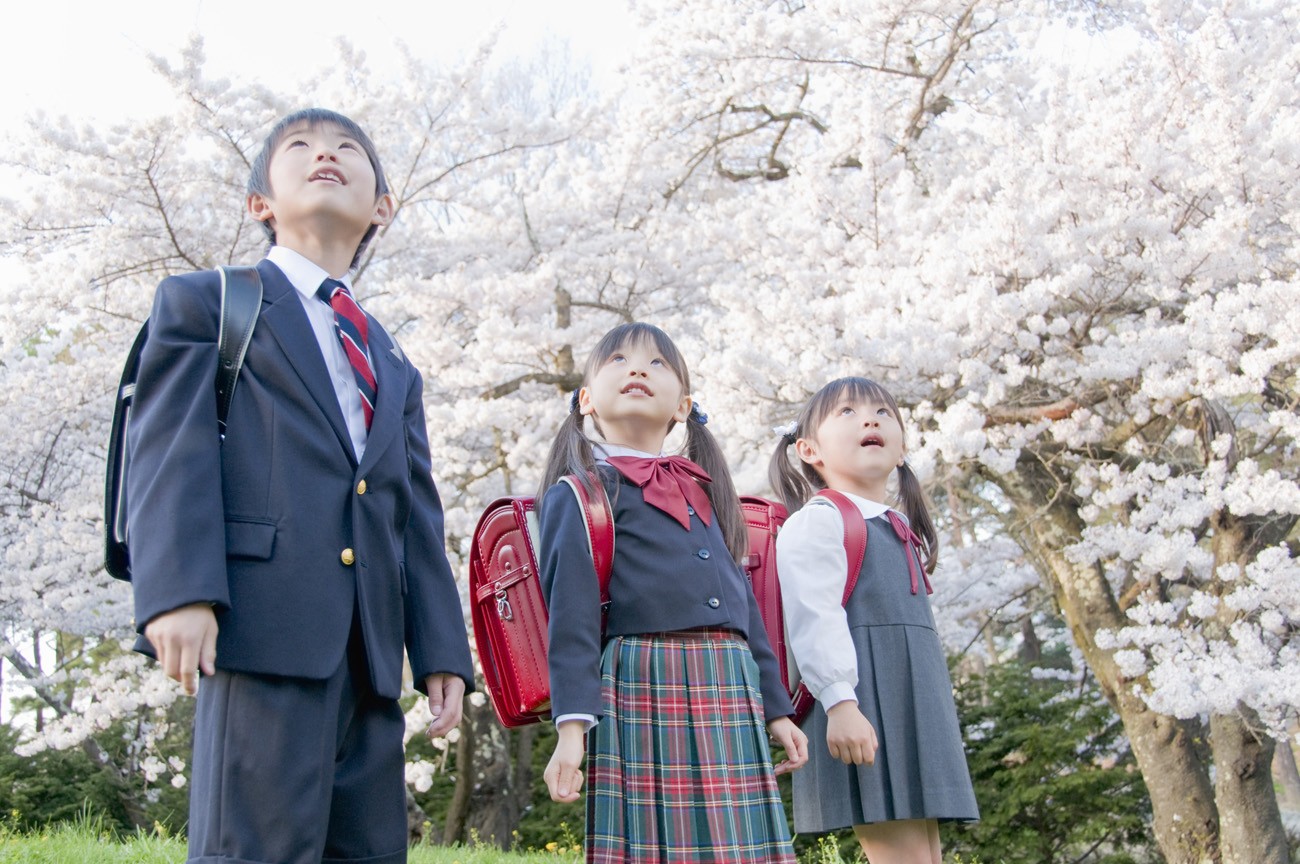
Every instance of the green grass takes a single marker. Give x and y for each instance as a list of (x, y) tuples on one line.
[(87, 843)]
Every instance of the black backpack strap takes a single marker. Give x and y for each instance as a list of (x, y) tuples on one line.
[(116, 559), (241, 301)]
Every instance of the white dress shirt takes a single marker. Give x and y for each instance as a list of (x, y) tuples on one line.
[(812, 567), (306, 276)]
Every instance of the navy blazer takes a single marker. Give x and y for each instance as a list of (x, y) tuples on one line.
[(278, 526), (664, 579)]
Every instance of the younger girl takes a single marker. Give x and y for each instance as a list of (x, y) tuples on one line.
[(678, 683), (885, 751)]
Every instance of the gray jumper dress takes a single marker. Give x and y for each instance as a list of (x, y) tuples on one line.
[(904, 690)]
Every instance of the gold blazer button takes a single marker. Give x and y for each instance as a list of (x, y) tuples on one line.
[(347, 556), (361, 488)]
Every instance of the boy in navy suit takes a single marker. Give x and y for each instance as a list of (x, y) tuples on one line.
[(292, 561)]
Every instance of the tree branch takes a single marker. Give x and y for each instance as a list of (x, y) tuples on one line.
[(563, 381)]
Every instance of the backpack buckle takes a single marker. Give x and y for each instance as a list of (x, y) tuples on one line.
[(504, 612)]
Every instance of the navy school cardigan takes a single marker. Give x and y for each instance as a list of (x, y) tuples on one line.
[(664, 579)]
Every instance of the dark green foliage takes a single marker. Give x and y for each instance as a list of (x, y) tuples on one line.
[(547, 821), (60, 786), (56, 786), (1053, 774)]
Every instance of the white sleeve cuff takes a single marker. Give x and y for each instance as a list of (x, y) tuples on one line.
[(834, 694), (588, 720)]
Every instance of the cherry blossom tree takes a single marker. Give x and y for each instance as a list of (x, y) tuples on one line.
[(1062, 233)]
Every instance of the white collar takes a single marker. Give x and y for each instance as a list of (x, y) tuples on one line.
[(869, 509), (603, 451), (304, 274)]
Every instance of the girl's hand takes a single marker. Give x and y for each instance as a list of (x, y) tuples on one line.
[(563, 773), (850, 736), (790, 737)]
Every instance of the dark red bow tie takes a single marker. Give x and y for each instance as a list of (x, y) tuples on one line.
[(670, 484), (911, 548)]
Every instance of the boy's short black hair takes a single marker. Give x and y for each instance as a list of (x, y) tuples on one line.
[(259, 178)]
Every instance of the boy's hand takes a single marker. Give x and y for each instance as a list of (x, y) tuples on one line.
[(446, 695), (849, 735), (791, 737), (185, 641), (564, 773)]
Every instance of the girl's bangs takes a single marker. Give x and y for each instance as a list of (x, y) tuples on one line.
[(854, 388), (638, 333)]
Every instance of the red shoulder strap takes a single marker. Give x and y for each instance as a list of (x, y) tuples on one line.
[(599, 517), (855, 536)]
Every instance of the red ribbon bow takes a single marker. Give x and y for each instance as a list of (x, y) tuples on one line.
[(670, 484), (911, 548)]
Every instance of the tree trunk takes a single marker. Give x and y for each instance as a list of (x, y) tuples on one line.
[(417, 821), (1031, 647), (1287, 776), (36, 662), (453, 830), (502, 778), (1185, 820), (1250, 824), (1249, 820)]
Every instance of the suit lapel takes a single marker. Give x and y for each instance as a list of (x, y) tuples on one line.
[(390, 396), (283, 316)]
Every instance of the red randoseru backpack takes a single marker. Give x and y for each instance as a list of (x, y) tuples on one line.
[(508, 608), (763, 519)]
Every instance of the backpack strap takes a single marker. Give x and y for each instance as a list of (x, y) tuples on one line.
[(599, 519), (117, 560), (241, 301), (855, 537)]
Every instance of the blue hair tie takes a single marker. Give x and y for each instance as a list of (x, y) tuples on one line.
[(573, 401), (698, 415)]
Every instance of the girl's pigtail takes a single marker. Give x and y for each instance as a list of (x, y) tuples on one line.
[(789, 483), (915, 508), (570, 454), (702, 449)]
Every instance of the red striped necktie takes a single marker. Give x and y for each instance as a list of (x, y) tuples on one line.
[(352, 327)]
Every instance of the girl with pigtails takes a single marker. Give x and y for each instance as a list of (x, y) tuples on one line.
[(885, 749), (674, 686)]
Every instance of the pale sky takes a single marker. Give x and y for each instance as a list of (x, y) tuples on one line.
[(89, 60)]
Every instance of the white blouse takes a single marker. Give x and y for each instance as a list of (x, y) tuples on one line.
[(812, 567)]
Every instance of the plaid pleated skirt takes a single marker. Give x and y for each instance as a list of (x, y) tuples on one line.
[(679, 768)]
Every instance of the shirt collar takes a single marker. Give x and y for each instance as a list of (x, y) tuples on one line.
[(603, 451), (304, 274), (870, 509)]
